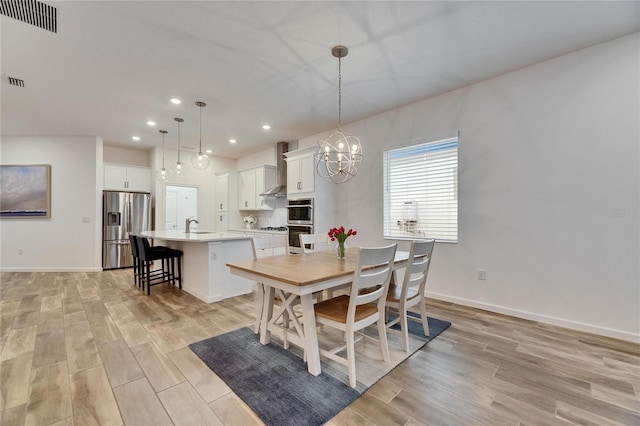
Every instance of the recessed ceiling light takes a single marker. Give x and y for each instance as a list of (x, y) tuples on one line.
[(266, 127), (232, 141), (151, 123), (208, 151), (136, 138), (176, 101)]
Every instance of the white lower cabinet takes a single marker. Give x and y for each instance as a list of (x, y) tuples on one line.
[(258, 234), (222, 222)]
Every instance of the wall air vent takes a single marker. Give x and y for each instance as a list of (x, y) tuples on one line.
[(16, 82), (32, 12)]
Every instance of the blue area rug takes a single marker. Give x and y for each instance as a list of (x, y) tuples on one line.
[(415, 325), (275, 383)]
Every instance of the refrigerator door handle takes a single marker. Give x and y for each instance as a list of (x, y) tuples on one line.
[(129, 223)]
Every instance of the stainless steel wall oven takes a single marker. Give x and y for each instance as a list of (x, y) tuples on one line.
[(299, 221), (294, 236), (300, 212)]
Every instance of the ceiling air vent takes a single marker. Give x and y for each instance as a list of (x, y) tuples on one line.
[(15, 82), (32, 12)]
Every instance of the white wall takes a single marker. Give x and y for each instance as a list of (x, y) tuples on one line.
[(120, 155), (265, 157), (63, 242), (549, 189)]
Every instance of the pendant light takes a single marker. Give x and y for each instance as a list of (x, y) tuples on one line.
[(163, 173), (200, 161), (180, 168), (341, 153)]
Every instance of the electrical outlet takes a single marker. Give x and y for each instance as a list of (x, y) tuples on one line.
[(20, 252), (214, 256), (482, 274)]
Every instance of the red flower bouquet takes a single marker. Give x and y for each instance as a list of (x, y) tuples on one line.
[(340, 235)]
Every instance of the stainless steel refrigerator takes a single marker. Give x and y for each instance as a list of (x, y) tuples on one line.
[(123, 213)]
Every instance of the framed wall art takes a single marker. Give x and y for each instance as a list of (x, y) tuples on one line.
[(25, 191)]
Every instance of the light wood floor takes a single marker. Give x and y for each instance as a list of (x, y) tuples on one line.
[(80, 349)]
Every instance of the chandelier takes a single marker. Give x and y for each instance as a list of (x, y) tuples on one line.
[(200, 161), (341, 153)]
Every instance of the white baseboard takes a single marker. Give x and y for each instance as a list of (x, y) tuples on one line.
[(573, 325), (52, 269), (198, 295), (215, 297)]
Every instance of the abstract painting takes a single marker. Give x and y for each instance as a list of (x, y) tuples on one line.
[(25, 191)]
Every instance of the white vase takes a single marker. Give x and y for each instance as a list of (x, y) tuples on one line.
[(248, 225)]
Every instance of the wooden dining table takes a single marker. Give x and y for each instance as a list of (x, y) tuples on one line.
[(300, 276)]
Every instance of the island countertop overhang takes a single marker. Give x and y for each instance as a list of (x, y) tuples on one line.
[(195, 236)]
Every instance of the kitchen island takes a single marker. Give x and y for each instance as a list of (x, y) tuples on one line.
[(204, 271)]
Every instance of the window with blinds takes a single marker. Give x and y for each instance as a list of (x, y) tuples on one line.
[(421, 191)]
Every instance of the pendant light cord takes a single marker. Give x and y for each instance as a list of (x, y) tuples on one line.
[(339, 93), (178, 142)]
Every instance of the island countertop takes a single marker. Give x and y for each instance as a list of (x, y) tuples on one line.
[(195, 236), (258, 231)]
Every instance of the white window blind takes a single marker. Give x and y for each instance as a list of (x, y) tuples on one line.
[(421, 191)]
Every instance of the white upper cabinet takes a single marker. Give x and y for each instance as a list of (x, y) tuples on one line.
[(253, 182), (247, 189), (119, 177), (226, 186), (222, 193), (300, 172)]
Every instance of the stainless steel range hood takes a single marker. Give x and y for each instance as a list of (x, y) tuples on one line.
[(280, 190)]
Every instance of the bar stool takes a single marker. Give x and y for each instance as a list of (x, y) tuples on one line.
[(136, 259), (167, 255), (138, 268)]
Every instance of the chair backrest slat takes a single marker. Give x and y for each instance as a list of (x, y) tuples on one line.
[(263, 246), (375, 280), (316, 242), (418, 268)]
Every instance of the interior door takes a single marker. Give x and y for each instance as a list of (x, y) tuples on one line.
[(171, 210), (181, 202), (187, 206)]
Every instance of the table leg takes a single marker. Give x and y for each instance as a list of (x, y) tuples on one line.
[(310, 334), (267, 312)]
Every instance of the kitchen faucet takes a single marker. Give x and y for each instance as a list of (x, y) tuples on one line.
[(187, 223)]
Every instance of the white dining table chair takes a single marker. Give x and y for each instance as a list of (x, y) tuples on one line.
[(360, 309), (410, 292)]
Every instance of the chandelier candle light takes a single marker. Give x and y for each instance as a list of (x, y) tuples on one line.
[(340, 235), (341, 153), (200, 161)]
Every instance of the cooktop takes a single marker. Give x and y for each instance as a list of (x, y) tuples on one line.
[(274, 228)]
